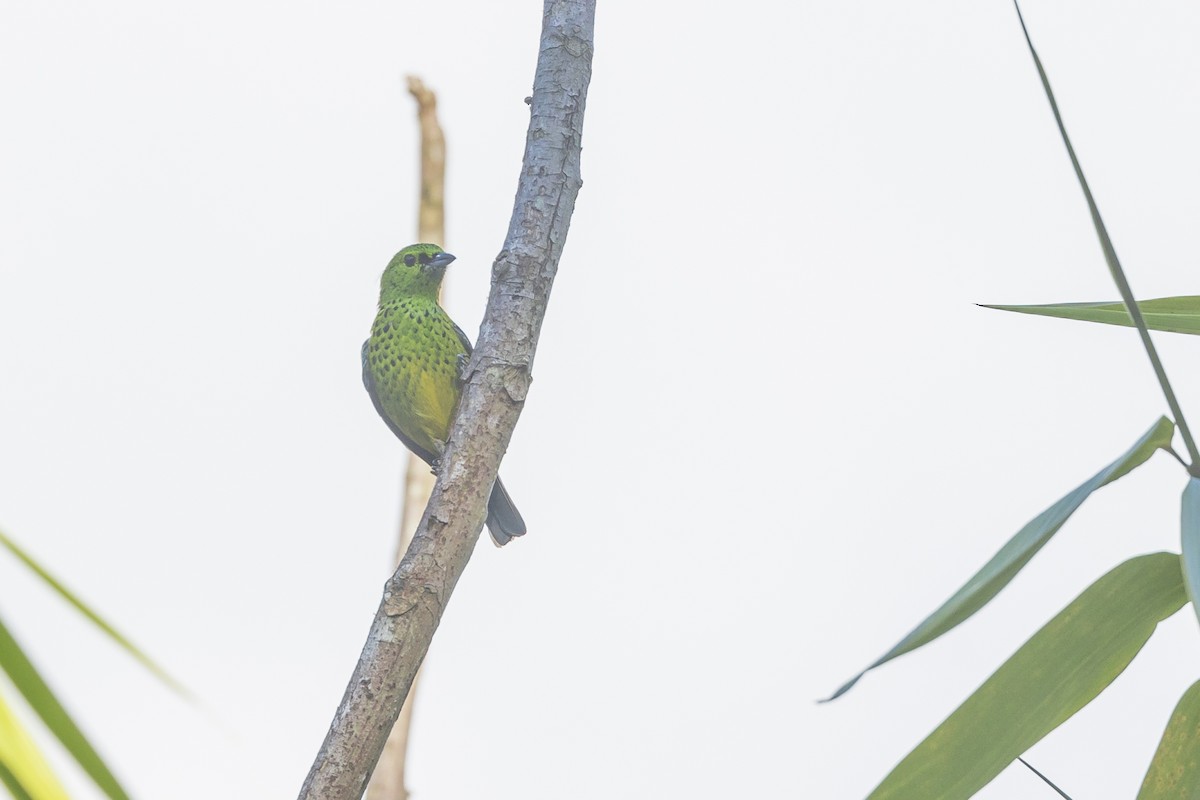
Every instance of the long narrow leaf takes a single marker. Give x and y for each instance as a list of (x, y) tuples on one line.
[(1114, 264), (1190, 536), (23, 769), (1053, 675), (1174, 773), (9, 782), (41, 699), (1170, 314), (95, 618), (1004, 566)]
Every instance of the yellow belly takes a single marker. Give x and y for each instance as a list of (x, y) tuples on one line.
[(413, 356)]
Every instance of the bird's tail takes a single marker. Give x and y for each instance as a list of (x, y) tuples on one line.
[(504, 521)]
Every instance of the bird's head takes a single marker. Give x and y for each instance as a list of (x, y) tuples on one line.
[(415, 270)]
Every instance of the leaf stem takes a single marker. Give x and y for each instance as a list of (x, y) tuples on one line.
[(1114, 265), (1049, 782)]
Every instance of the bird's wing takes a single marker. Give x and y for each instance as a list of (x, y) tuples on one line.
[(462, 338), (461, 369), (369, 383)]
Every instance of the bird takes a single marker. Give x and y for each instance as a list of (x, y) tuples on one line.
[(411, 363)]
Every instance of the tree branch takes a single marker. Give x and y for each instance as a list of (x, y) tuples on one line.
[(497, 382), (431, 211), (387, 781)]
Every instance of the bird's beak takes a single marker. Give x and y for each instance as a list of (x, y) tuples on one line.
[(441, 260)]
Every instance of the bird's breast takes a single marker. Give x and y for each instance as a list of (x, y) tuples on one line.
[(413, 356)]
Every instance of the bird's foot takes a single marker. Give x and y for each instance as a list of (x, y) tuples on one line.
[(461, 363)]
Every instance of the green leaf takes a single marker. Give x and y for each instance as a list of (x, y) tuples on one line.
[(41, 699), (1171, 314), (1114, 264), (1004, 566), (95, 618), (1174, 773), (12, 785), (23, 769), (1190, 535), (1057, 672)]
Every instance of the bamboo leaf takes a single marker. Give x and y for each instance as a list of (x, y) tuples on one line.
[(1016, 553), (23, 769), (1114, 264), (41, 699), (1170, 314), (9, 782), (91, 615), (1174, 773), (1190, 536), (1053, 675)]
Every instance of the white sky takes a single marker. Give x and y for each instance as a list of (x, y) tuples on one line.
[(769, 429)]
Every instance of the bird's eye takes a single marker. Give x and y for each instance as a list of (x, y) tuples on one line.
[(410, 260), (424, 258)]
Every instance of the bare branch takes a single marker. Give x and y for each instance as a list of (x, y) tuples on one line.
[(431, 214), (497, 382), (387, 781)]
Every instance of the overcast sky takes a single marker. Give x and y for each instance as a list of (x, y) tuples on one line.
[(769, 429)]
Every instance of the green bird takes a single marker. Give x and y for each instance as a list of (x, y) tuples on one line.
[(411, 367)]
